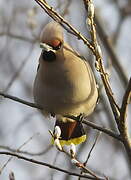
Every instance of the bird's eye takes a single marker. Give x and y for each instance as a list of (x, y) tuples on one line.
[(57, 47), (56, 44)]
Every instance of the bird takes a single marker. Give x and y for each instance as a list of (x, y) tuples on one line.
[(64, 85)]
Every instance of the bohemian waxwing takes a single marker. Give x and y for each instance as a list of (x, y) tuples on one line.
[(64, 84)]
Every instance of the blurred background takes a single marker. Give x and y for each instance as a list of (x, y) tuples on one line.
[(20, 25)]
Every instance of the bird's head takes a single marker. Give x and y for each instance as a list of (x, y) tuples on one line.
[(51, 40)]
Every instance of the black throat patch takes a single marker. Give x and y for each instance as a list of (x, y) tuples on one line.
[(48, 56)]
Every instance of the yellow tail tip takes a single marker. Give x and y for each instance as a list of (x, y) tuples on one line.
[(75, 141)]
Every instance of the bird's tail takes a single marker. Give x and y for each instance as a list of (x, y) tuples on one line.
[(71, 132)]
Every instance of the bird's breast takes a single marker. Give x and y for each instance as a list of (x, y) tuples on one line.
[(61, 88)]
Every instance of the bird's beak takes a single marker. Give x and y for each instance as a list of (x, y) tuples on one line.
[(46, 47)]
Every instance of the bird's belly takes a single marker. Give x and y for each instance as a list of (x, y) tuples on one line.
[(61, 100)]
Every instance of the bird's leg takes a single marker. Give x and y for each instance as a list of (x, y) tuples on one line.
[(80, 117)]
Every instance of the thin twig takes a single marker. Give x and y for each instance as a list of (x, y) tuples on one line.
[(14, 98), (72, 156), (104, 130), (53, 14), (11, 176), (89, 154), (54, 162), (95, 126), (111, 52), (26, 152), (46, 164), (100, 66), (123, 126), (120, 121), (19, 69), (10, 158)]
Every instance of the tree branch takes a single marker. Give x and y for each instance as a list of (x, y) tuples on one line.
[(104, 130), (97, 127), (14, 98), (27, 152), (111, 52), (68, 27), (47, 165), (123, 126), (120, 121), (100, 67), (90, 124)]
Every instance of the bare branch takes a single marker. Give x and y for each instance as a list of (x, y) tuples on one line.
[(100, 67), (22, 65), (14, 98), (111, 52), (92, 148), (68, 27), (89, 154), (11, 176), (123, 127), (47, 165), (104, 130), (10, 158), (27, 152), (118, 115), (95, 126)]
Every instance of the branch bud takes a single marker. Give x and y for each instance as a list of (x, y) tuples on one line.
[(57, 144), (76, 163), (57, 132), (98, 50), (72, 150), (91, 10)]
